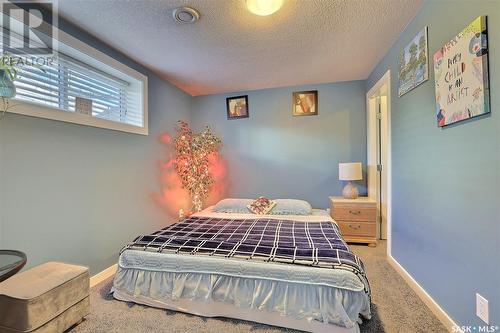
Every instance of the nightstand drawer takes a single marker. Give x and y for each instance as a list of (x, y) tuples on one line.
[(354, 213), (357, 229)]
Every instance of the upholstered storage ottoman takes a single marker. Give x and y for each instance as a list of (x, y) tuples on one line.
[(49, 298)]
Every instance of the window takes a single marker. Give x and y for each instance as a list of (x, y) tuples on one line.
[(60, 85), (117, 94)]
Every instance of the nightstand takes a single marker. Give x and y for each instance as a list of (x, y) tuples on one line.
[(357, 219)]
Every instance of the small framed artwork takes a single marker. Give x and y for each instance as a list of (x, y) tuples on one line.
[(461, 75), (237, 107), (305, 103), (413, 63)]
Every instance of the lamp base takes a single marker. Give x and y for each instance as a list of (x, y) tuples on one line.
[(350, 191)]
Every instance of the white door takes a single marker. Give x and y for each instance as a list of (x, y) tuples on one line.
[(378, 153)]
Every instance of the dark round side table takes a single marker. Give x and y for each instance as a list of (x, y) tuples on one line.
[(11, 262)]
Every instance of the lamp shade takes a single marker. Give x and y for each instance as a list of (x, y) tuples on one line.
[(350, 171)]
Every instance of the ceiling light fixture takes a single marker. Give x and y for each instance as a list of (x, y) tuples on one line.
[(185, 15), (264, 7)]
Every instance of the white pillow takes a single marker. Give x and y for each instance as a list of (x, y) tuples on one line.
[(291, 207), (232, 205)]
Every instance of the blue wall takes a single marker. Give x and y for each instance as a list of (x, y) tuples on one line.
[(274, 154), (446, 182), (77, 193)]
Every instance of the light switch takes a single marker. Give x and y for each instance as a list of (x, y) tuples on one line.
[(482, 308)]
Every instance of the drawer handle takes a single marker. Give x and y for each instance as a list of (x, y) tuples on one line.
[(355, 227), (355, 212)]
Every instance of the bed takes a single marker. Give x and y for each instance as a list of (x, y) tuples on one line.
[(292, 271)]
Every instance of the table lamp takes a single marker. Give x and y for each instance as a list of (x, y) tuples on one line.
[(350, 172)]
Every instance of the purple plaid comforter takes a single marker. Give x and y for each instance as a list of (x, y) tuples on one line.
[(315, 244)]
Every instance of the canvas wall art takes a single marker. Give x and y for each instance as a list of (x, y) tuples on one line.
[(305, 103), (237, 107), (413, 64), (461, 75)]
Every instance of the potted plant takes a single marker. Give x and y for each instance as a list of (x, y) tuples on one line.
[(8, 74)]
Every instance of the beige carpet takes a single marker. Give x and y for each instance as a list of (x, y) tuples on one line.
[(396, 308)]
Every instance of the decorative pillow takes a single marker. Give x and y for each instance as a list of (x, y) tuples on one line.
[(292, 207), (232, 205), (261, 205)]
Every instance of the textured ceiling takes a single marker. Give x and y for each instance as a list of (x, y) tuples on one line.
[(230, 49)]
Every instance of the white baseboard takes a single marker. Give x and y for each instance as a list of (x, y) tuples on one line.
[(425, 297), (101, 276)]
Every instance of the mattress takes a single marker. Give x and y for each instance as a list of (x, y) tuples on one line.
[(266, 273)]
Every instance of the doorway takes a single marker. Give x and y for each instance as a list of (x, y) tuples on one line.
[(379, 153)]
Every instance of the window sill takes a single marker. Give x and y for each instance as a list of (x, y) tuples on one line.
[(39, 111)]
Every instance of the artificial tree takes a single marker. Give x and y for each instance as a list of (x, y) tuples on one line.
[(192, 151)]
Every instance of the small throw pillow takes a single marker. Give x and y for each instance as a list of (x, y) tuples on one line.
[(261, 205)]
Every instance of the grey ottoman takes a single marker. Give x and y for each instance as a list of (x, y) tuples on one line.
[(48, 298)]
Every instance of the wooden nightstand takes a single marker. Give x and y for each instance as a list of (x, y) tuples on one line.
[(357, 219)]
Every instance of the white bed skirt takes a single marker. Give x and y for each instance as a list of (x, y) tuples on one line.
[(312, 308), (218, 309)]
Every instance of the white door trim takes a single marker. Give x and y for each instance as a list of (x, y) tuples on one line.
[(383, 83)]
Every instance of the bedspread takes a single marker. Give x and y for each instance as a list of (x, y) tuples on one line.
[(312, 244)]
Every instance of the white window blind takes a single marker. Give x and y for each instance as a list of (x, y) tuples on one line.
[(57, 85)]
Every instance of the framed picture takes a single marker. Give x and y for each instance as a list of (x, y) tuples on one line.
[(413, 63), (461, 75), (305, 103), (237, 107)]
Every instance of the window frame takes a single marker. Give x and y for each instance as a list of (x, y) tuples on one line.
[(64, 41)]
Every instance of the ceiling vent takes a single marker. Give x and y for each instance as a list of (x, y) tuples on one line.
[(185, 15)]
